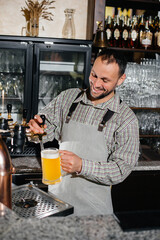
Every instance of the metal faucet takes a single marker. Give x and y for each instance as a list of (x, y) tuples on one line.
[(6, 170)]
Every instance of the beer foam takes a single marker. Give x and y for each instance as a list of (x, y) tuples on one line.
[(50, 153)]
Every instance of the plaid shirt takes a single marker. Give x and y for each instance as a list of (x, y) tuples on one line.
[(121, 133)]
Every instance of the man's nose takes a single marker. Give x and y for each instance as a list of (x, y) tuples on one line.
[(98, 82)]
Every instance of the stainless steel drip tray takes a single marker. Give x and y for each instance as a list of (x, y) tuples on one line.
[(29, 201)]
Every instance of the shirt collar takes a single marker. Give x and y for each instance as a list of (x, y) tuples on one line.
[(112, 104)]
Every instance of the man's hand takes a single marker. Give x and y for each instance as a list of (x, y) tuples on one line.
[(70, 162), (34, 125)]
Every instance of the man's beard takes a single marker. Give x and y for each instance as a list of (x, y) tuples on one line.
[(103, 95)]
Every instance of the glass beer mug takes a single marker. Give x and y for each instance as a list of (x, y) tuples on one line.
[(51, 169)]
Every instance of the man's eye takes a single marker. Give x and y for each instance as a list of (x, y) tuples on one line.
[(105, 81), (94, 75)]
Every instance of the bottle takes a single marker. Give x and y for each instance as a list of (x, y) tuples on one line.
[(125, 33), (109, 29), (68, 30), (100, 38), (156, 30), (158, 37), (116, 34), (152, 30), (141, 30), (147, 36), (134, 33)]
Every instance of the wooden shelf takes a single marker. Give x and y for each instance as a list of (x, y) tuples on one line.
[(149, 136), (145, 108), (135, 50)]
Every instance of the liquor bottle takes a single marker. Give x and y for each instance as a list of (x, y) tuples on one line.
[(152, 29), (156, 30), (147, 36), (158, 37), (125, 33), (141, 27), (116, 34), (109, 29), (134, 33)]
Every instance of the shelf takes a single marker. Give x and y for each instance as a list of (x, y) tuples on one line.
[(135, 4), (136, 50), (12, 73), (145, 108), (149, 136)]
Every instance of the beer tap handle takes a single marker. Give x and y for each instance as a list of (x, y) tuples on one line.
[(24, 117), (25, 111), (43, 119), (9, 109), (37, 138)]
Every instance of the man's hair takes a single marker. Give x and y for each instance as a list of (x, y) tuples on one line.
[(112, 56)]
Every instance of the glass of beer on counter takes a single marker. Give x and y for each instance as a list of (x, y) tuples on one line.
[(51, 170)]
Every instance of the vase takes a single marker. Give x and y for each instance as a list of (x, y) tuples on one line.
[(68, 30), (34, 26)]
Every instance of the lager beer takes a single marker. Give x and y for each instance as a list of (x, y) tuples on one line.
[(51, 170)]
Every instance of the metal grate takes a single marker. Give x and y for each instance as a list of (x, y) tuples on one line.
[(46, 204), (28, 151)]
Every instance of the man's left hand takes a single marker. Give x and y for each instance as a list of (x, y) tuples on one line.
[(70, 162)]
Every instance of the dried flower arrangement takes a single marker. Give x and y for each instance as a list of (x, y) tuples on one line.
[(37, 10)]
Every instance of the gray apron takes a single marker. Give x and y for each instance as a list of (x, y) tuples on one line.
[(87, 197)]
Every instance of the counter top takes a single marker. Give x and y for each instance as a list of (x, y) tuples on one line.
[(33, 164), (70, 227)]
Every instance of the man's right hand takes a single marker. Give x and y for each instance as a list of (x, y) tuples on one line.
[(35, 123)]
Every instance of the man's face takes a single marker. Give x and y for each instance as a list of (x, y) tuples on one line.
[(103, 80)]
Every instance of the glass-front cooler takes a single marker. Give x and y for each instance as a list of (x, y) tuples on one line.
[(35, 70), (15, 79), (59, 67)]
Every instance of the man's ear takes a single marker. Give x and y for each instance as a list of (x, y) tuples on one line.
[(121, 79)]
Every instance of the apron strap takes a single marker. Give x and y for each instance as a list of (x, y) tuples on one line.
[(73, 107), (106, 117)]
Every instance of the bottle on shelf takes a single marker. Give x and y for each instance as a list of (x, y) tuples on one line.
[(141, 27), (158, 37), (109, 29), (147, 36), (134, 33), (125, 33), (156, 30), (152, 29), (116, 34)]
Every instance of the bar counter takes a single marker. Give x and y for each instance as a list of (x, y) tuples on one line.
[(33, 165), (71, 227)]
